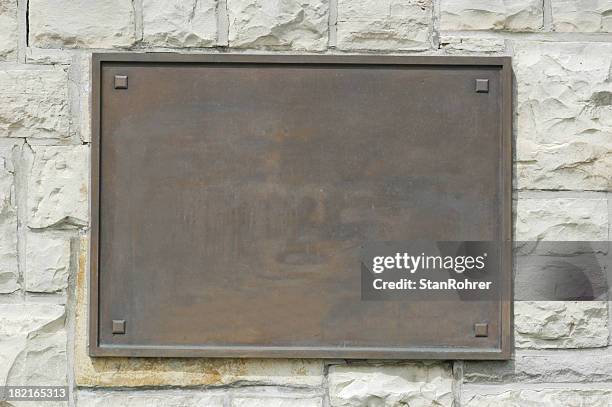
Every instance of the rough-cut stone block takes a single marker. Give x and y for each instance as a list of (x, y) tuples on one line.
[(277, 402), (549, 325), (149, 398), (564, 99), (283, 24), (384, 25), (9, 271), (32, 345), (415, 383), (510, 15), (543, 397), (177, 23), (556, 366), (79, 75), (47, 262), (137, 372), (8, 30), (57, 186), (81, 23), (85, 99), (460, 45), (582, 15), (560, 219), (34, 103), (50, 56)]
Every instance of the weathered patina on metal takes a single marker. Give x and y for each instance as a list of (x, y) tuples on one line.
[(231, 194)]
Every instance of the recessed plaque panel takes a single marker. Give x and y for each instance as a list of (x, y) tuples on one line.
[(231, 196)]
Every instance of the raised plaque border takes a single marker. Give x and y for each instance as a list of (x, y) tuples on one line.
[(438, 353)]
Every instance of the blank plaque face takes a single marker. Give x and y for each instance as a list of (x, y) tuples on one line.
[(231, 196)]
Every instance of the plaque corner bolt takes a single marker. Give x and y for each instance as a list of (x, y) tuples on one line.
[(118, 326), (121, 82), (481, 330), (482, 86)]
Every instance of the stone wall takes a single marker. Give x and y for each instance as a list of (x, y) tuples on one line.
[(562, 57)]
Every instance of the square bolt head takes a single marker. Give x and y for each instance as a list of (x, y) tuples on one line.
[(118, 326), (121, 82), (482, 85), (481, 330)]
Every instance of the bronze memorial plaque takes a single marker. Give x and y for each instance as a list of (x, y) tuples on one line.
[(232, 196)]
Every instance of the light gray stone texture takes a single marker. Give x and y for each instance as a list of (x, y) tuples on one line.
[(47, 262), (460, 45), (543, 397), (278, 24), (9, 269), (287, 401), (81, 23), (555, 366), (32, 345), (57, 186), (582, 15), (554, 324), (177, 23), (508, 15), (79, 75), (8, 30), (564, 126), (384, 25), (416, 383), (545, 217), (34, 103), (148, 398)]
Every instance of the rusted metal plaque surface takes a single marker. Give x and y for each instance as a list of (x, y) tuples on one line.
[(231, 194)]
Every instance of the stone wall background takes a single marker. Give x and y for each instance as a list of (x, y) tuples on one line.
[(562, 57)]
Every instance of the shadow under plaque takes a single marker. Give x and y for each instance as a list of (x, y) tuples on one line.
[(231, 195)]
